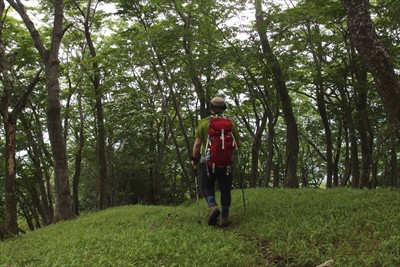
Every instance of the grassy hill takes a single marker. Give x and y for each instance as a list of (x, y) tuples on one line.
[(280, 227)]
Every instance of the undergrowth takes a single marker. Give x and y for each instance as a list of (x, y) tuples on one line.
[(279, 227)]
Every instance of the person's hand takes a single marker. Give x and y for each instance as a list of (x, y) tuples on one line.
[(194, 164), (194, 161)]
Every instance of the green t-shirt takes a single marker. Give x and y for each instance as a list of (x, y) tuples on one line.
[(202, 131)]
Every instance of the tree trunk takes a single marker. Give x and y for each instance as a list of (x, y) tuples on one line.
[(194, 76), (270, 149), (101, 135), (10, 179), (316, 51), (354, 167), (363, 122), (276, 175), (394, 165), (165, 76), (347, 161), (292, 136), (63, 194), (355, 162), (377, 155), (34, 205), (255, 149), (54, 123), (34, 153), (110, 168), (80, 140), (337, 156), (10, 122), (374, 54), (46, 159), (101, 143)]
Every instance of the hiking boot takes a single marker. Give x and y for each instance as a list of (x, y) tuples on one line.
[(225, 222), (213, 215)]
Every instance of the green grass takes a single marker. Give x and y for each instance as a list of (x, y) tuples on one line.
[(280, 227)]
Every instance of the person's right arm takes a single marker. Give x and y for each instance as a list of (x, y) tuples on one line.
[(196, 152)]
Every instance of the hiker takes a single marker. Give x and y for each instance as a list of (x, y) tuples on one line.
[(216, 169)]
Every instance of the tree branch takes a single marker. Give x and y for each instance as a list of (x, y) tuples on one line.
[(24, 97)]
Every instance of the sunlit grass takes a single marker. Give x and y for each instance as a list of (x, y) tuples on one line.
[(280, 227)]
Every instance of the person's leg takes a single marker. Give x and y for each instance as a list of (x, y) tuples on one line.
[(207, 186), (225, 186)]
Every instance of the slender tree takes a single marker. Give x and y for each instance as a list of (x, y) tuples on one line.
[(80, 137), (362, 120), (95, 77), (292, 136), (317, 55), (35, 153), (191, 62), (10, 116), (50, 58)]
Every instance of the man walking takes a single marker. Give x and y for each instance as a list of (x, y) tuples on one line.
[(216, 139)]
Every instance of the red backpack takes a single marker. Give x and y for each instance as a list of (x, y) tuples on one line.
[(221, 142)]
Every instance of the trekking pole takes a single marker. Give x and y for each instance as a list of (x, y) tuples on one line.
[(197, 196), (241, 182)]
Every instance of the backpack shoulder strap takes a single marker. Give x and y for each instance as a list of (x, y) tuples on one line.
[(208, 139)]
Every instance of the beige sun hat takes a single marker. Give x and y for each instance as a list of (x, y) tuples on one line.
[(218, 104)]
